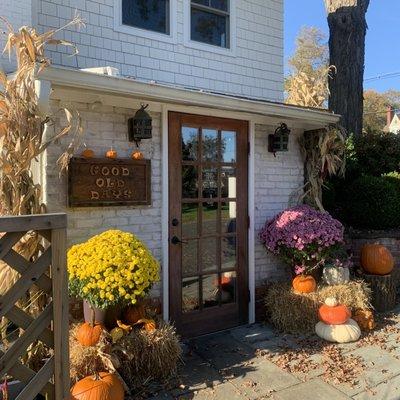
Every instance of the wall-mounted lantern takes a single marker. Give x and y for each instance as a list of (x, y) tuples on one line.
[(279, 141), (140, 126)]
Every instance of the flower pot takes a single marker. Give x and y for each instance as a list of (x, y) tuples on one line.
[(99, 314)]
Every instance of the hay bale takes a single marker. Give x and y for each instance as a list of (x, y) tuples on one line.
[(292, 312), (85, 360), (146, 356)]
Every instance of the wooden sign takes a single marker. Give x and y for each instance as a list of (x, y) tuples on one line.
[(99, 182)]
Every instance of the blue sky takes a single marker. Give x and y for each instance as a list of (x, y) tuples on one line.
[(382, 51)]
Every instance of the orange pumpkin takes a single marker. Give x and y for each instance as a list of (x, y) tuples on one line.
[(332, 313), (365, 319), (111, 154), (104, 386), (137, 155), (89, 334), (88, 153), (376, 259), (134, 313), (304, 284)]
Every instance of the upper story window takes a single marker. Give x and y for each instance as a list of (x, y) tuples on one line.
[(209, 22), (151, 15)]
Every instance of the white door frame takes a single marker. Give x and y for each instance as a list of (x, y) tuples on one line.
[(165, 198)]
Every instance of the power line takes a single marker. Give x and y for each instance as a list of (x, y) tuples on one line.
[(383, 76)]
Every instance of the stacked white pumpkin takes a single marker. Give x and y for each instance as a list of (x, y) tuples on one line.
[(335, 323)]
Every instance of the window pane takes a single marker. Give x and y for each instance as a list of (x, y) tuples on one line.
[(189, 182), (228, 146), (228, 250), (209, 254), (189, 257), (210, 214), (228, 287), (189, 220), (210, 291), (190, 294), (210, 144), (228, 182), (210, 183), (202, 2), (190, 139), (219, 4), (209, 28), (152, 15), (228, 217)]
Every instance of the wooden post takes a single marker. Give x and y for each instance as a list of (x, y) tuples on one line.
[(60, 317), (383, 291)]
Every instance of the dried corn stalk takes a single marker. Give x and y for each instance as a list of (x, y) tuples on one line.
[(324, 154), (309, 90), (22, 137)]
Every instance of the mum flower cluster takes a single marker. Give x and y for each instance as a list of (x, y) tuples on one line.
[(111, 268), (302, 234)]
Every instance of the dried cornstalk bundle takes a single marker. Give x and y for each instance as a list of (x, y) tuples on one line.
[(324, 154), (146, 356), (309, 90)]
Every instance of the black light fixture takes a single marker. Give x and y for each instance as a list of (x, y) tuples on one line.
[(140, 126), (279, 141)]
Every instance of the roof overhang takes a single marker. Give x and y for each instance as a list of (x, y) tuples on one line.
[(154, 92)]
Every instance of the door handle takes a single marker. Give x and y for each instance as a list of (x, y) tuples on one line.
[(176, 240)]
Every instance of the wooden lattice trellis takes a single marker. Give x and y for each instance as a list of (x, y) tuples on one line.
[(48, 273)]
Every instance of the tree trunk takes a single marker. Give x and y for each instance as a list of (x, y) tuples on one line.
[(348, 27)]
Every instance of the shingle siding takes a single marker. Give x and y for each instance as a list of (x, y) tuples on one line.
[(255, 69)]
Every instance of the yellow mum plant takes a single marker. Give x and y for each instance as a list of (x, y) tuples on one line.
[(111, 268)]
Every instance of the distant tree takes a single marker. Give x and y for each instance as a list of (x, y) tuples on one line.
[(348, 27), (375, 108), (307, 84)]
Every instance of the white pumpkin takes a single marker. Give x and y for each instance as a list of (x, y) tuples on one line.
[(344, 333), (335, 275)]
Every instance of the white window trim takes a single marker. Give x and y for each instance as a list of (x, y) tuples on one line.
[(231, 51), (144, 33)]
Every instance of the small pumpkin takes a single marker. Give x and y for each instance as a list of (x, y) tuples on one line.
[(111, 154), (88, 153), (376, 259), (365, 319), (134, 313), (104, 386), (332, 313), (344, 333), (304, 284), (335, 275), (149, 325), (117, 334), (88, 334), (137, 155)]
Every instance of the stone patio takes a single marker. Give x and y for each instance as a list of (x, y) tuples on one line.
[(254, 362)]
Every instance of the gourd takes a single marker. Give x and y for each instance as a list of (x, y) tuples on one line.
[(332, 313), (137, 155), (134, 313), (304, 284), (149, 325), (88, 153), (344, 333), (104, 386), (365, 319), (111, 154), (88, 334), (335, 275), (376, 259)]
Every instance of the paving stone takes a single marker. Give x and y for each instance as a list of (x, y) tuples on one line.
[(380, 366), (264, 378), (388, 390), (315, 389), (196, 373), (254, 333), (221, 392)]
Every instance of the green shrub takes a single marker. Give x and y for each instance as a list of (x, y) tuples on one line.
[(371, 202), (374, 154)]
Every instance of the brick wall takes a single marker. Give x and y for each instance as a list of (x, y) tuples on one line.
[(105, 127), (277, 183), (18, 13), (255, 69)]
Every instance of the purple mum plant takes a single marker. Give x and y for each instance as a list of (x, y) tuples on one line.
[(302, 236)]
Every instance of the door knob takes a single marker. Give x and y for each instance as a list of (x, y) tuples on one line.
[(175, 222), (176, 240)]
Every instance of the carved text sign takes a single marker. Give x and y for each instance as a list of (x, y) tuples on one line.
[(104, 182)]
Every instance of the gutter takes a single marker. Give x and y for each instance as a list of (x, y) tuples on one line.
[(79, 79)]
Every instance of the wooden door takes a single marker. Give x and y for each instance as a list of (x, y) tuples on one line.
[(208, 223)]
